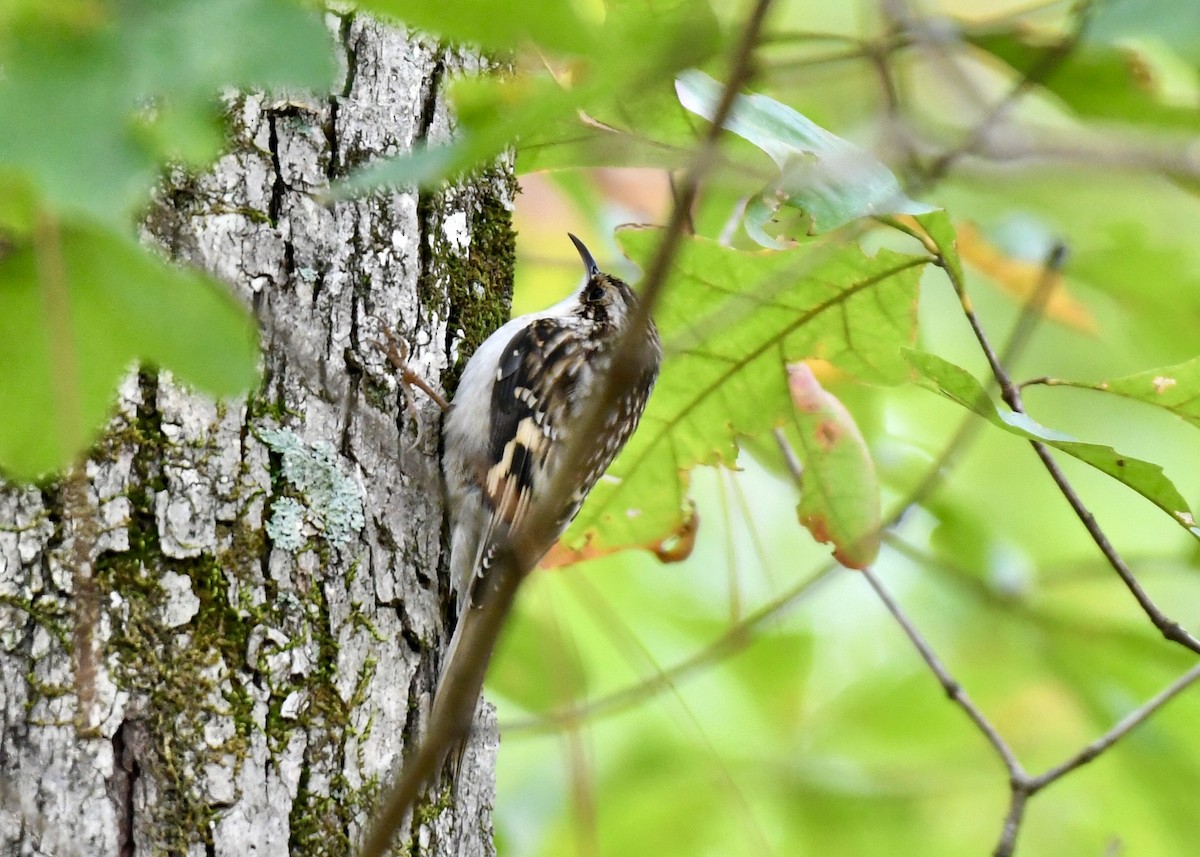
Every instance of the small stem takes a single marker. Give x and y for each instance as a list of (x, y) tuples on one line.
[(1011, 395), (953, 689), (1123, 727), (1012, 822), (56, 308)]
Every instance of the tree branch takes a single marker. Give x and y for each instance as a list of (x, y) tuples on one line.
[(1011, 395), (1123, 727), (953, 689)]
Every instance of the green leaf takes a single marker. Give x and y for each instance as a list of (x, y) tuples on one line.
[(1145, 478), (91, 111), (1173, 22), (1094, 80), (644, 128), (123, 306), (937, 224), (730, 319), (187, 50), (614, 106), (66, 103), (550, 24), (491, 113), (839, 492), (831, 179), (1172, 388), (759, 211), (629, 114), (422, 167)]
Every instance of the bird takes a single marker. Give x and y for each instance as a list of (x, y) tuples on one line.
[(520, 396), (516, 416)]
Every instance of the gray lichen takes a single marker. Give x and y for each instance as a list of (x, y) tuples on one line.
[(329, 501)]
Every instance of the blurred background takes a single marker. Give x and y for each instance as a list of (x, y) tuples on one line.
[(755, 699)]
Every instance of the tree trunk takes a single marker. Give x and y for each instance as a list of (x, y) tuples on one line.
[(224, 645)]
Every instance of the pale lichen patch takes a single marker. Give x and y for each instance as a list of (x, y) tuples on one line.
[(329, 503)]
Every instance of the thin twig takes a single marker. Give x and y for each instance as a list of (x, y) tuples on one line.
[(953, 689), (397, 351), (733, 640), (1011, 395), (1017, 800), (634, 650), (914, 30), (1018, 338), (55, 299), (1021, 784), (1026, 787), (1123, 727), (459, 689), (85, 531), (732, 569), (1041, 71)]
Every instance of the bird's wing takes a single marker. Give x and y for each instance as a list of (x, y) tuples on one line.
[(531, 402)]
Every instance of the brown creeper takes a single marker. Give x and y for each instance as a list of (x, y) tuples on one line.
[(520, 395)]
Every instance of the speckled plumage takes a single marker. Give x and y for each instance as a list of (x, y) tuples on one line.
[(520, 394)]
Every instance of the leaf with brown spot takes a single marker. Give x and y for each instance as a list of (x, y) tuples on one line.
[(839, 491), (1172, 388), (676, 546)]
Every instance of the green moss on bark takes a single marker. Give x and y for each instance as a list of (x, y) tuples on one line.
[(183, 679), (474, 286)]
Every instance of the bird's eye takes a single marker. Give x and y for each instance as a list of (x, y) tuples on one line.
[(594, 293)]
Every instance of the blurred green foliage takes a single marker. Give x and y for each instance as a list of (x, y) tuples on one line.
[(97, 97), (119, 305), (724, 707)]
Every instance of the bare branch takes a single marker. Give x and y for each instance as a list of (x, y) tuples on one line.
[(1126, 725), (953, 689), (1011, 395)]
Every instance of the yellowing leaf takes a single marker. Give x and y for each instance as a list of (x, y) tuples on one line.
[(674, 547), (1021, 279)]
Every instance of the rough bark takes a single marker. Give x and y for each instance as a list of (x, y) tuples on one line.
[(267, 574)]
